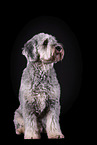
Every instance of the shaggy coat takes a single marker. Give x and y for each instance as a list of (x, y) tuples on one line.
[(39, 92)]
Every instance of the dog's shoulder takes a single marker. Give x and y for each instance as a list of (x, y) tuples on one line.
[(28, 73)]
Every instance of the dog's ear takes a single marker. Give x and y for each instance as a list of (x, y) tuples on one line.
[(30, 50)]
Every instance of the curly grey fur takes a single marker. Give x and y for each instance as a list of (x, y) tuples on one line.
[(39, 92)]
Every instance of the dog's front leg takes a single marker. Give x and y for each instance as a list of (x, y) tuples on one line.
[(52, 125), (31, 128)]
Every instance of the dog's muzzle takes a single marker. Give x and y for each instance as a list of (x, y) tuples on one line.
[(58, 53)]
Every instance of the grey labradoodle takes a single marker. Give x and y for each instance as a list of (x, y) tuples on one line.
[(39, 93)]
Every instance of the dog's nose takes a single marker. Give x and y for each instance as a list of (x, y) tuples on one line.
[(58, 48)]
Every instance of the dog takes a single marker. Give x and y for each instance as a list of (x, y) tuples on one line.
[(39, 92)]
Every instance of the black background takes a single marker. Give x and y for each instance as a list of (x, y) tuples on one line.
[(74, 122)]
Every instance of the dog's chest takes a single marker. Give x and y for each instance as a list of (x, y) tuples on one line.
[(42, 80), (44, 89)]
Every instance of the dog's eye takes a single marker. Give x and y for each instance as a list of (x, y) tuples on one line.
[(45, 42)]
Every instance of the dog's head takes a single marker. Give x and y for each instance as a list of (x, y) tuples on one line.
[(44, 48)]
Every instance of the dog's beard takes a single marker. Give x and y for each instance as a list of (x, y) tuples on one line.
[(56, 56)]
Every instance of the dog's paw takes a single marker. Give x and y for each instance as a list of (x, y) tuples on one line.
[(29, 136), (20, 130), (56, 136)]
